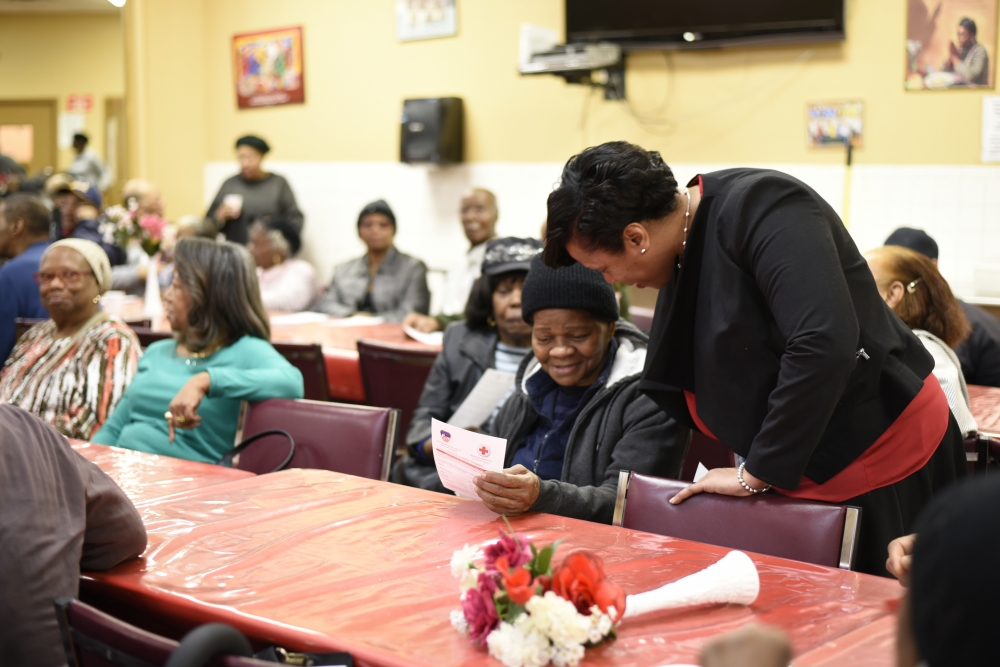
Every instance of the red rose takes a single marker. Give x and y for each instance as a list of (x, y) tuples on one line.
[(516, 582), (580, 579), (479, 609), (513, 547)]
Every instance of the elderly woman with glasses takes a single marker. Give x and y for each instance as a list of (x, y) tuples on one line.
[(185, 400), (72, 369)]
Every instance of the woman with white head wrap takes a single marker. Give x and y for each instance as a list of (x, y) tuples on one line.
[(72, 369)]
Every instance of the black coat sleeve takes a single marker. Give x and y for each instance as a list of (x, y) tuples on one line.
[(790, 249)]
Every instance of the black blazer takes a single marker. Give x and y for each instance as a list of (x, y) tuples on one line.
[(775, 323)]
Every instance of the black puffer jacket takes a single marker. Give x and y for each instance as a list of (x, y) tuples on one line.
[(619, 429)]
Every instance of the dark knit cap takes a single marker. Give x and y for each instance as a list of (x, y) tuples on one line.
[(953, 597), (254, 142), (377, 207), (575, 287), (914, 239)]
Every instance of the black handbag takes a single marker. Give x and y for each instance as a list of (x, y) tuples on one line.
[(235, 451)]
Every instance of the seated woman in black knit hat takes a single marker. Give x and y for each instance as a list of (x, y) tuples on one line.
[(577, 416)]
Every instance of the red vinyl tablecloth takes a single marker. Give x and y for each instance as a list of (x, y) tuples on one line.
[(313, 560), (985, 405)]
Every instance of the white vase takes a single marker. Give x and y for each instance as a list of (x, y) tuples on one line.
[(153, 306)]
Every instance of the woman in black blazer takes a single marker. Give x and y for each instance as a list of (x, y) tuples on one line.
[(769, 335)]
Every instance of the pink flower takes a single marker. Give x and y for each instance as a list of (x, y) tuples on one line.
[(513, 547), (154, 226), (479, 609)]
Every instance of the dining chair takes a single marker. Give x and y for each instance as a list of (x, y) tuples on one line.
[(92, 638), (802, 530), (394, 376), (707, 451), (353, 439), (308, 358)]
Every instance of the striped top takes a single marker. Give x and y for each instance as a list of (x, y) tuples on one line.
[(82, 385), (948, 371)]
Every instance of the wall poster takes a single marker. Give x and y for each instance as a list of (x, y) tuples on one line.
[(950, 44), (269, 68), (835, 123), (425, 19)]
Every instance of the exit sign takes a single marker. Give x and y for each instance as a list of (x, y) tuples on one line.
[(80, 103)]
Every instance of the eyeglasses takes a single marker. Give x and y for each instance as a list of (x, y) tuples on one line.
[(67, 277)]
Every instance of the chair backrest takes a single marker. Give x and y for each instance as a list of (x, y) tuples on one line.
[(308, 358), (394, 376), (92, 638), (769, 524), (147, 336), (353, 439)]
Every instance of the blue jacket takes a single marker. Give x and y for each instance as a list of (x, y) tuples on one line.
[(19, 292)]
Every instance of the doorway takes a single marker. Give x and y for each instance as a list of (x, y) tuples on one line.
[(29, 126)]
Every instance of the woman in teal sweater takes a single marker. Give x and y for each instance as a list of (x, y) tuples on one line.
[(184, 400)]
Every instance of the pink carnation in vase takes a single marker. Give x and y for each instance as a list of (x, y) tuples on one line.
[(515, 548), (153, 225), (480, 610)]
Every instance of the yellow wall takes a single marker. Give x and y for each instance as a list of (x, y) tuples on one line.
[(731, 106), (50, 56)]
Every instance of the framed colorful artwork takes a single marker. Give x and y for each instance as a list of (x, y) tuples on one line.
[(269, 68), (950, 44), (835, 124), (425, 19)]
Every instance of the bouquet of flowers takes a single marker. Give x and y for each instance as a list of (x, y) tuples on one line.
[(529, 614), (121, 225)]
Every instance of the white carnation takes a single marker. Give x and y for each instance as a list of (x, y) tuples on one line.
[(520, 644), (568, 656), (462, 569), (600, 625), (559, 620), (458, 621)]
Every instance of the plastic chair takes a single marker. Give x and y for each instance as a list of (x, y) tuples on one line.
[(394, 376), (352, 439), (92, 638), (308, 358), (769, 524)]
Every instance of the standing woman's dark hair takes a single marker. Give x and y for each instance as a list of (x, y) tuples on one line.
[(225, 296), (602, 190)]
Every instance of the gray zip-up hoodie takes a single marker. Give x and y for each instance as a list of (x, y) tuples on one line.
[(619, 429)]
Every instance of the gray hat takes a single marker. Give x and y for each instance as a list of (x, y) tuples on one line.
[(509, 254)]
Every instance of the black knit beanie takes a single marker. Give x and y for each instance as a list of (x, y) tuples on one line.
[(255, 143), (379, 206), (575, 287)]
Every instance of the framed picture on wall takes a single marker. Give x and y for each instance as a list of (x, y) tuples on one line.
[(950, 44), (425, 19), (835, 124), (269, 69)]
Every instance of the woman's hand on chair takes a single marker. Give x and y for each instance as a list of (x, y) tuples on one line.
[(184, 406), (722, 481), (510, 492)]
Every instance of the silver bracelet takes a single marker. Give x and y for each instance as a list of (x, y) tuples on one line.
[(739, 476)]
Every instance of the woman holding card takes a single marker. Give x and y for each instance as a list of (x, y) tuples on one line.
[(492, 335), (577, 417), (770, 335)]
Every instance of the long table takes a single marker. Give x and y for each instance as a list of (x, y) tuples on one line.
[(985, 405), (314, 560)]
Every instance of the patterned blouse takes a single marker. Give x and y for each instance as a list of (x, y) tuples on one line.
[(78, 388)]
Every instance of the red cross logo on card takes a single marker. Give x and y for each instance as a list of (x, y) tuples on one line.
[(484, 451)]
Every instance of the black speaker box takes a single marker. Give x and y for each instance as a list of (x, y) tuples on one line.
[(431, 131)]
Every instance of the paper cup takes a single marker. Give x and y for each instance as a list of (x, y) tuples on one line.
[(234, 202)]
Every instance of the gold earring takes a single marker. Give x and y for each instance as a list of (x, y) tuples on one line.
[(490, 321), (97, 299)]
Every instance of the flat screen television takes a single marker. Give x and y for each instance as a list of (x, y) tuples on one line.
[(656, 24)]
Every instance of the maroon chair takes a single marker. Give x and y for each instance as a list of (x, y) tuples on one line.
[(92, 638), (353, 439), (394, 376), (770, 524), (642, 318), (705, 450), (308, 358)]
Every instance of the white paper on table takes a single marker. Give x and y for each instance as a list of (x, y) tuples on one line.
[(305, 317), (460, 456), (483, 399), (433, 338), (700, 472), (355, 321)]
